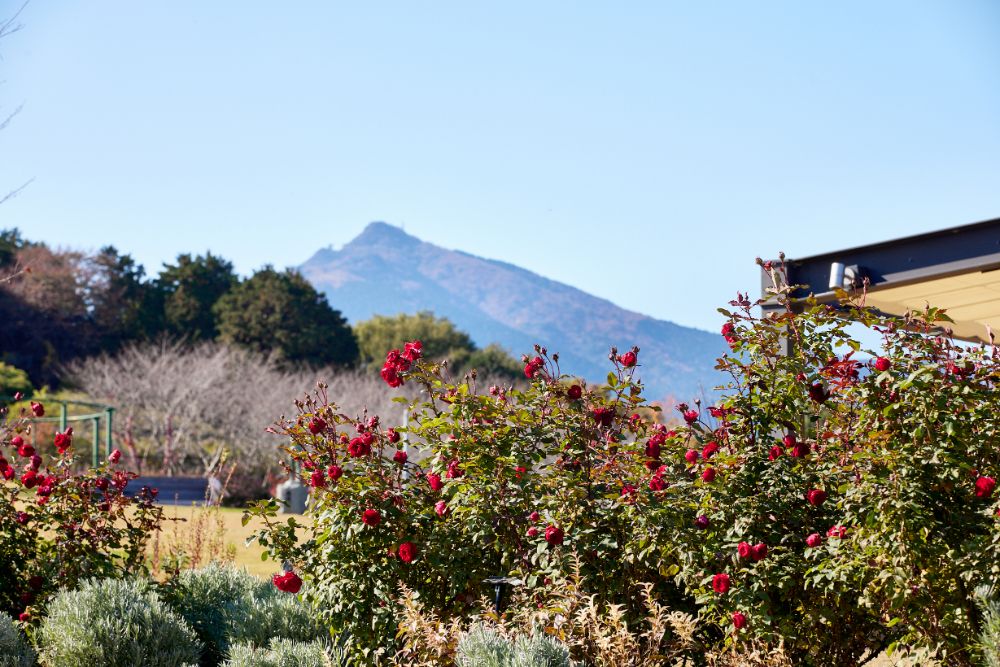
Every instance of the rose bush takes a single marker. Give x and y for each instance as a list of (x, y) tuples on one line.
[(824, 502), (58, 526)]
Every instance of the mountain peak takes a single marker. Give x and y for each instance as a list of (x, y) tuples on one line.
[(385, 271), (378, 232)]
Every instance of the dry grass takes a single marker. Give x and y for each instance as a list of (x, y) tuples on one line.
[(196, 535), (597, 635)]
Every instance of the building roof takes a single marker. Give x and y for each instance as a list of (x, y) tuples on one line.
[(956, 269)]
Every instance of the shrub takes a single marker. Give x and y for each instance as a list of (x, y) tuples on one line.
[(14, 648), (114, 623), (226, 606), (989, 638), (483, 646), (59, 526), (831, 503), (13, 380), (283, 653)]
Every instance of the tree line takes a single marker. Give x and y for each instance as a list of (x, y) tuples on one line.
[(61, 305)]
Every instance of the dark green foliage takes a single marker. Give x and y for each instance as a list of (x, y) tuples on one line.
[(280, 313), (190, 289), (13, 380), (123, 306)]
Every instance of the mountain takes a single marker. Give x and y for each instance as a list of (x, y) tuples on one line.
[(385, 271)]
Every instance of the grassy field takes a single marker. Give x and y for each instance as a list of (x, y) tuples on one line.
[(204, 534)]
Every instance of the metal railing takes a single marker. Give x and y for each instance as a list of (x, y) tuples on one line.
[(101, 421)]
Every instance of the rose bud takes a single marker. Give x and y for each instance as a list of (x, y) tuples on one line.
[(814, 540)]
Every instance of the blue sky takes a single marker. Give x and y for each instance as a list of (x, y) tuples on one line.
[(644, 152)]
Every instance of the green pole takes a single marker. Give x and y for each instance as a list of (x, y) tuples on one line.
[(108, 416), (96, 421), (62, 416)]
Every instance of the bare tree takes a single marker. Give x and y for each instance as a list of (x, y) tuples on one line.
[(180, 407), (7, 28)]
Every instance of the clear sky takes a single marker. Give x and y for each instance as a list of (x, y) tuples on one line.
[(642, 151)]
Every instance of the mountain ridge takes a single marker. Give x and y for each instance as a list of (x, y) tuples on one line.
[(386, 271)]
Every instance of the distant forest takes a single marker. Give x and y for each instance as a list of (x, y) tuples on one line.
[(57, 306)]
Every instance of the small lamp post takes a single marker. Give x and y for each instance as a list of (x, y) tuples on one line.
[(500, 585)]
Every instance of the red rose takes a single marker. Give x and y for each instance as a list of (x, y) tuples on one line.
[(289, 582), (882, 364), (413, 350), (532, 367), (22, 518), (816, 497), (729, 332), (628, 359), (744, 550), (63, 441), (532, 532), (739, 620), (692, 456), (334, 472), (814, 540), (390, 375), (316, 425), (603, 416), (720, 583), (400, 456), (26, 450), (554, 535), (392, 435), (441, 508), (407, 550), (574, 392), (801, 450), (37, 409), (690, 416), (653, 449), (453, 470), (317, 480), (29, 479), (775, 452), (16, 442), (371, 517), (358, 448), (114, 456), (710, 449), (435, 481), (985, 486), (656, 483), (708, 475), (840, 532), (758, 552), (534, 516)]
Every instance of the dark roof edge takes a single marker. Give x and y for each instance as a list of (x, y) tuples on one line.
[(916, 238)]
